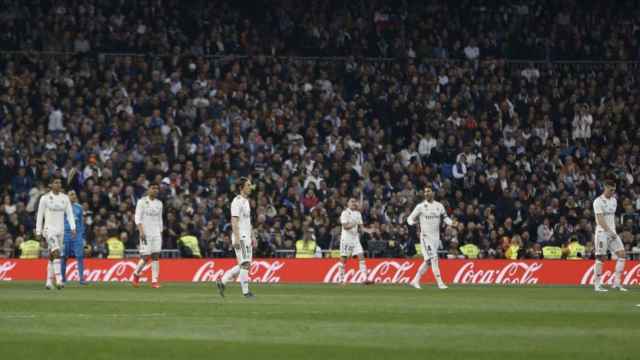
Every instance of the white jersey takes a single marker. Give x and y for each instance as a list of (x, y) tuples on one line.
[(149, 214), (241, 208), (430, 214), (349, 216), (51, 211), (607, 207)]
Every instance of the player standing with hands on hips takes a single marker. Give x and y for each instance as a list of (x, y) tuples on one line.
[(148, 219), (430, 213), (604, 208), (50, 224), (242, 239)]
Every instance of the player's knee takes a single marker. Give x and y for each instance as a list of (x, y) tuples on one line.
[(245, 265), (155, 256)]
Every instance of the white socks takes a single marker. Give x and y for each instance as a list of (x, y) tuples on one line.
[(598, 271), (139, 267), (56, 271), (436, 271), (363, 269), (155, 270), (50, 273), (231, 274), (619, 268), (244, 280), (341, 272), (421, 270)]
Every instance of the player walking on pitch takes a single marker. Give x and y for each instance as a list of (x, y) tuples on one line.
[(430, 213), (74, 244), (604, 208), (148, 219), (50, 224), (242, 239), (351, 220)]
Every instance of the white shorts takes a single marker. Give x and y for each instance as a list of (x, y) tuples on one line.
[(151, 245), (245, 253), (55, 242), (430, 247), (350, 247), (606, 242)]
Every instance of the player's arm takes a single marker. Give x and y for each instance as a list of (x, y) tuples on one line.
[(344, 221), (235, 228), (138, 219), (42, 204), (80, 224), (161, 222), (71, 218), (411, 219)]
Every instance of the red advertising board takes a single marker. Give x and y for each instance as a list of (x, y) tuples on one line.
[(391, 271)]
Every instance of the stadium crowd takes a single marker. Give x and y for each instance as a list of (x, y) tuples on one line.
[(516, 151)]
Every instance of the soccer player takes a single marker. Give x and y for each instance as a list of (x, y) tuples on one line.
[(351, 221), (50, 224), (604, 208), (148, 219), (242, 239), (74, 244), (430, 213)]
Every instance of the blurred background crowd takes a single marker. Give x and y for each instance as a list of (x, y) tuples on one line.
[(319, 102)]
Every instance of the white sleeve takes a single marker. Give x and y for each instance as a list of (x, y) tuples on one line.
[(360, 221), (42, 206), (235, 208), (161, 218), (411, 219), (344, 219), (70, 218), (597, 207), (445, 217), (138, 215)]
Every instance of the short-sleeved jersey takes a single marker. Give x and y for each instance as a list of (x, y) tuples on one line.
[(607, 207), (430, 215), (241, 208), (349, 216)]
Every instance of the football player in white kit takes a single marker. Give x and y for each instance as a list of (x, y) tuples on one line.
[(242, 239), (606, 238), (351, 221), (148, 219), (50, 224), (430, 213)]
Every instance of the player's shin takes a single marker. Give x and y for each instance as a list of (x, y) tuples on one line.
[(244, 280), (63, 268), (619, 269), (421, 270), (50, 273), (139, 267), (436, 271), (155, 270), (56, 271), (598, 273), (341, 272), (80, 262), (230, 274), (362, 269)]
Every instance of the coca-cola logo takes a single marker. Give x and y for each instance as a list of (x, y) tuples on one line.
[(260, 271), (121, 271), (5, 269), (629, 277), (386, 272), (511, 273)]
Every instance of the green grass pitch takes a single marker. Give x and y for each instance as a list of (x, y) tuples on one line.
[(191, 321)]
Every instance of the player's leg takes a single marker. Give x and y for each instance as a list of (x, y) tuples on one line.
[(56, 246), (346, 250), (601, 253), (50, 273), (145, 253), (66, 253), (424, 266), (362, 265), (341, 265), (78, 252), (247, 256), (155, 269), (432, 253), (617, 247)]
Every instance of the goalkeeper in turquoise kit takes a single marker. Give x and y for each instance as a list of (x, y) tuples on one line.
[(74, 246)]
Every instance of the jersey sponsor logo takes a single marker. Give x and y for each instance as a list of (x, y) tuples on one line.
[(511, 273)]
